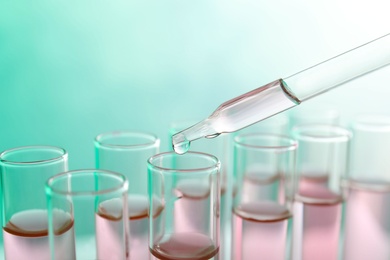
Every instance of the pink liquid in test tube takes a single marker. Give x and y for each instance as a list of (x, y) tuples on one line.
[(26, 235), (317, 220), (260, 231), (190, 210), (367, 228)]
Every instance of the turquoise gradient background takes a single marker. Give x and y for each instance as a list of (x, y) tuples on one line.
[(70, 70)]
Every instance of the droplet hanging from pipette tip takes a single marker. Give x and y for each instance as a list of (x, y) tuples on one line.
[(180, 144), (181, 148)]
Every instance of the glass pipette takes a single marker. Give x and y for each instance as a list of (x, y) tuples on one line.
[(286, 93)]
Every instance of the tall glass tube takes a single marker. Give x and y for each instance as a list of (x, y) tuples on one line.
[(184, 195), (367, 221), (321, 164), (24, 171), (218, 147), (127, 152), (88, 215), (264, 171)]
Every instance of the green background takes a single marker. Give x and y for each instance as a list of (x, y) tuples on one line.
[(70, 70)]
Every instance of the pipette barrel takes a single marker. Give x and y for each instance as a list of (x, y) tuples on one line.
[(286, 93), (340, 69)]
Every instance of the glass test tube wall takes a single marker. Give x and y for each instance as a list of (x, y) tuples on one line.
[(184, 195), (367, 186), (24, 171), (94, 205), (321, 163), (126, 152), (219, 147), (264, 175)]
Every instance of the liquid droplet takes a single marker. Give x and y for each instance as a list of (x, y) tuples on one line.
[(182, 147), (212, 136)]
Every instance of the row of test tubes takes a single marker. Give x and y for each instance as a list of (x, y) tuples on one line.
[(286, 188)]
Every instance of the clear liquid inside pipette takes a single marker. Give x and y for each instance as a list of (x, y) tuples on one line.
[(238, 113)]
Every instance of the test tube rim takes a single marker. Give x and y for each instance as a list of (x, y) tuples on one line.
[(369, 123), (216, 165), (344, 134), (123, 186), (293, 145), (63, 154), (154, 140)]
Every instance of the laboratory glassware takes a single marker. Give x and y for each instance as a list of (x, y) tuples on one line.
[(184, 196), (264, 172), (93, 204), (127, 152), (289, 92), (24, 171), (321, 164), (367, 189), (219, 147)]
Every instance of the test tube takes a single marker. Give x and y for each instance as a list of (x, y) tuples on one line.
[(127, 152), (184, 195), (93, 205), (24, 171), (367, 187), (321, 163), (262, 203), (218, 147)]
